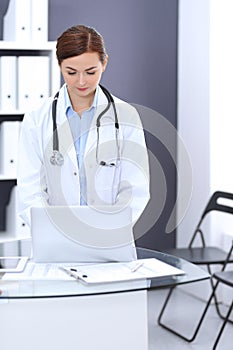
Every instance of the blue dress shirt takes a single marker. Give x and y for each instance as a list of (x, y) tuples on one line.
[(80, 127)]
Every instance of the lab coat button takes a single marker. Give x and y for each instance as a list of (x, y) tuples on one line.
[(75, 174)]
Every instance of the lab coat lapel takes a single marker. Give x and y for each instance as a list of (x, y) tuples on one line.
[(66, 144)]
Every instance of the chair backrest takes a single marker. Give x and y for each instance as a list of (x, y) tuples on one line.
[(214, 204)]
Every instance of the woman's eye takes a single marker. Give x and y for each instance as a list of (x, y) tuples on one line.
[(90, 73), (71, 73)]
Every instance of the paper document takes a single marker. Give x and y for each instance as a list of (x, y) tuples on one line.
[(115, 272), (34, 271), (96, 273)]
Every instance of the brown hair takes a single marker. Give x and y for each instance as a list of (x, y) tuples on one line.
[(77, 40)]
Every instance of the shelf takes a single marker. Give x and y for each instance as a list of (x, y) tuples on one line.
[(10, 237), (14, 46), (11, 112), (6, 178)]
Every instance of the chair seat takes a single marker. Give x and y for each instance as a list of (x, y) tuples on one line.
[(225, 277), (199, 255)]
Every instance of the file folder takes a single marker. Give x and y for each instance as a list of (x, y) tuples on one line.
[(33, 81), (39, 20), (9, 135), (16, 22), (8, 82)]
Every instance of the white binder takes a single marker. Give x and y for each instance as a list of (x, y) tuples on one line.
[(9, 135), (16, 22), (39, 20), (33, 81), (8, 82)]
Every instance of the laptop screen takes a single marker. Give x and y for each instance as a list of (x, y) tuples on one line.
[(81, 234)]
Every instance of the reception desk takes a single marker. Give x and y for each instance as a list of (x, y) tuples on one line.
[(37, 314)]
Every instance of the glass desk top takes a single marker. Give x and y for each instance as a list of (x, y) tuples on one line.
[(67, 288)]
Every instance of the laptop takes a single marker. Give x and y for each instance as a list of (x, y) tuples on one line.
[(82, 234)]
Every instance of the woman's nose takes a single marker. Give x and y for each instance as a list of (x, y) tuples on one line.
[(81, 79)]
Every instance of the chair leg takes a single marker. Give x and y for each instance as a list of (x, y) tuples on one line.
[(216, 302), (223, 269), (200, 320), (223, 317), (226, 319)]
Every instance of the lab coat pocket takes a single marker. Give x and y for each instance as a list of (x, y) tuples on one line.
[(105, 185)]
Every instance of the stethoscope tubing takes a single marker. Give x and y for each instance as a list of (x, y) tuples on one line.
[(58, 159)]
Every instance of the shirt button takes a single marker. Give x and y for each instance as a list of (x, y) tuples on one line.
[(75, 174)]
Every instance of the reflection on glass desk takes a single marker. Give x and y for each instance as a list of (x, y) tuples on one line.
[(47, 288)]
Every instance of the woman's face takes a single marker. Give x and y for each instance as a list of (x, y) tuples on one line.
[(82, 74)]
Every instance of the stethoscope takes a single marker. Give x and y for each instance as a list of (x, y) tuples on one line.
[(57, 157)]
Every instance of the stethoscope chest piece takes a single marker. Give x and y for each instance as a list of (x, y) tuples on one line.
[(57, 158)]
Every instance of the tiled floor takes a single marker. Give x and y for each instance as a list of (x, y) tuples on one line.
[(182, 313)]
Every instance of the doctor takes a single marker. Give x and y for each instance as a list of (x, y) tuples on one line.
[(85, 146)]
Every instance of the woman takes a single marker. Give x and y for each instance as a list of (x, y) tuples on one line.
[(102, 157)]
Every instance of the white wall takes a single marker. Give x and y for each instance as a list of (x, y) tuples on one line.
[(193, 106), (221, 109), (205, 108)]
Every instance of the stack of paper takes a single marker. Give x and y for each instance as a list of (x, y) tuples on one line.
[(35, 271)]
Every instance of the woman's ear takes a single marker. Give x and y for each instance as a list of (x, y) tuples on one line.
[(105, 63)]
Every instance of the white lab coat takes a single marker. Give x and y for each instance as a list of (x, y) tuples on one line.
[(38, 180)]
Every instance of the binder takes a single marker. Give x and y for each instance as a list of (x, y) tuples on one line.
[(16, 22), (33, 81), (9, 136), (8, 82), (39, 20)]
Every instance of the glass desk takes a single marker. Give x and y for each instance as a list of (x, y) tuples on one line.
[(38, 314), (40, 288)]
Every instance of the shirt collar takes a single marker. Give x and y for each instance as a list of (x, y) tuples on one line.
[(68, 106)]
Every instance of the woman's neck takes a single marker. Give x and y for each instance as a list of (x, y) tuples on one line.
[(81, 104)]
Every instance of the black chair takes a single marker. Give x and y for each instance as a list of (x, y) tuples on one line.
[(202, 255), (225, 277)]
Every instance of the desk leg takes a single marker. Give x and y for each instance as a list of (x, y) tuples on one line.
[(117, 321)]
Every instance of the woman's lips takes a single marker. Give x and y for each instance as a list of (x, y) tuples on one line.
[(82, 89)]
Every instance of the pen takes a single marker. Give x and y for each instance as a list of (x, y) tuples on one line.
[(70, 272), (137, 266), (74, 273)]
